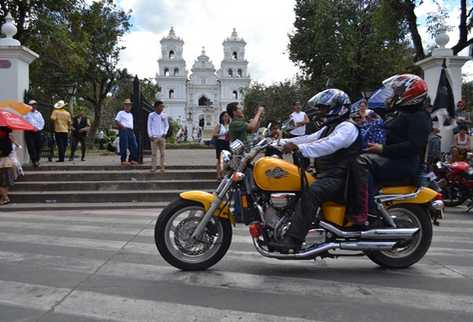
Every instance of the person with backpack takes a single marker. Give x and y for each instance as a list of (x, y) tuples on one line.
[(158, 127)]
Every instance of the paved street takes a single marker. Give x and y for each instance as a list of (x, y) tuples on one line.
[(103, 266)]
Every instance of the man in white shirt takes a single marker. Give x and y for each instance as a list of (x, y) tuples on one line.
[(34, 139), (158, 126), (124, 121), (300, 120)]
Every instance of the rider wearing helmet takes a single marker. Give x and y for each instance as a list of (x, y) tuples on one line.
[(406, 135), (335, 146)]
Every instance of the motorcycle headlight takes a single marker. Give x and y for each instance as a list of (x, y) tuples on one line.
[(237, 147)]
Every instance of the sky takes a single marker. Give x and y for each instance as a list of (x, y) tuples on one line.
[(264, 24)]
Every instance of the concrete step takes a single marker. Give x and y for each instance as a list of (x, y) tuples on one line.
[(116, 185), (111, 175), (93, 196), (79, 167), (16, 207)]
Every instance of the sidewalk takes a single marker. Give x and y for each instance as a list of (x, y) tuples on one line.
[(173, 157)]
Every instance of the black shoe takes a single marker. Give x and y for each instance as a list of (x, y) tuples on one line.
[(288, 245), (82, 159)]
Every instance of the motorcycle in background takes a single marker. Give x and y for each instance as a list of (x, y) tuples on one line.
[(456, 182)]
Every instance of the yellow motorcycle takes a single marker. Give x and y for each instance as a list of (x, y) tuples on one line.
[(195, 231)]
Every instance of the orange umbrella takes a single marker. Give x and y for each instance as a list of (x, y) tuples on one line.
[(16, 106), (14, 122)]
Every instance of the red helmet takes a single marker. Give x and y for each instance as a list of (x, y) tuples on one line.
[(407, 90)]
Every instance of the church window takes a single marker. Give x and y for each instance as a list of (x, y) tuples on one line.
[(235, 55), (176, 71), (171, 93), (166, 72), (171, 54), (240, 72), (235, 95), (203, 81), (230, 72)]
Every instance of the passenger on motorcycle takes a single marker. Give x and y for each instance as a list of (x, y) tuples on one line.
[(335, 146), (398, 160)]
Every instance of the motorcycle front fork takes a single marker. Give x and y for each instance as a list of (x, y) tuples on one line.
[(221, 192)]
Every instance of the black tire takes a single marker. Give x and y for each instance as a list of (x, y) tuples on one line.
[(453, 197), (383, 259), (160, 238)]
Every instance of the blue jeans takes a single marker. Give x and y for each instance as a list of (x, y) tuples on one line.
[(128, 141)]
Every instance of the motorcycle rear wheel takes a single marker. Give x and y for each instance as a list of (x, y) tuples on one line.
[(172, 233), (409, 252)]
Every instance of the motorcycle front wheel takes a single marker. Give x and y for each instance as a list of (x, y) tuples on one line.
[(453, 196), (173, 231), (406, 252)]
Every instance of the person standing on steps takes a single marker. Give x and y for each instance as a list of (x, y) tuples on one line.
[(300, 120), (34, 139), (124, 122), (62, 124), (80, 128), (158, 126)]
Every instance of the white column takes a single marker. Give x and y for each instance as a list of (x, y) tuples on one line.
[(14, 72), (432, 67)]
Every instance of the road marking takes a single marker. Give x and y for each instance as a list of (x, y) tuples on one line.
[(106, 307)]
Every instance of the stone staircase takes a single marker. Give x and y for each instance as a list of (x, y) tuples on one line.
[(109, 187)]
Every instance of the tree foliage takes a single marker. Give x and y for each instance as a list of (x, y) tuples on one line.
[(354, 44), (78, 44), (465, 23), (277, 99)]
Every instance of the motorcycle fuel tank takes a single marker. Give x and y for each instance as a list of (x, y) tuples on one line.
[(276, 175)]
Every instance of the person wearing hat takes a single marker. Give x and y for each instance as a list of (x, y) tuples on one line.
[(34, 139), (124, 121), (61, 120)]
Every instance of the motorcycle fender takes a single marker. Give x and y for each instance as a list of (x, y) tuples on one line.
[(205, 199), (425, 195)]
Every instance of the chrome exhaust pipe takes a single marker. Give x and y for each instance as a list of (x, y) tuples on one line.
[(388, 233), (395, 233), (313, 252), (368, 245)]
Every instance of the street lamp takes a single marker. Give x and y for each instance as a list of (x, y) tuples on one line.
[(72, 93)]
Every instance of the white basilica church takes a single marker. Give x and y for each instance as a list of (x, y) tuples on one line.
[(206, 92)]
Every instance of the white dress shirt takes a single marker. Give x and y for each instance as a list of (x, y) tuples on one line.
[(36, 119), (312, 146), (125, 119), (298, 117), (158, 125)]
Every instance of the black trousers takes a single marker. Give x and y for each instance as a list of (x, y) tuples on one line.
[(34, 143), (83, 146), (61, 141), (383, 170), (322, 190)]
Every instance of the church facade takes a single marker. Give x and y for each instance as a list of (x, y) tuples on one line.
[(199, 97)]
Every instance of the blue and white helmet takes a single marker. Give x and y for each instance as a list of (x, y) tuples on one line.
[(336, 101)]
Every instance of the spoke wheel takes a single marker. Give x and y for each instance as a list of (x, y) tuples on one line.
[(410, 251), (173, 232)]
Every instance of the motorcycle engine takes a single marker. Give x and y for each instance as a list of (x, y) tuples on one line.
[(276, 214)]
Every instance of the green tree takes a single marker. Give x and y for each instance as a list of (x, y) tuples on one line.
[(354, 44), (277, 99), (98, 29), (406, 9)]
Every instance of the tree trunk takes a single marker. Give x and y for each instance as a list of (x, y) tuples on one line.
[(95, 124), (411, 18)]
